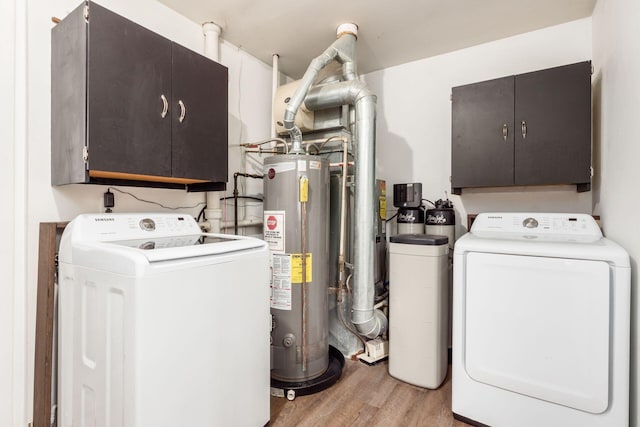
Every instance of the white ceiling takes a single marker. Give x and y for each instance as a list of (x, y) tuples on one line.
[(390, 33)]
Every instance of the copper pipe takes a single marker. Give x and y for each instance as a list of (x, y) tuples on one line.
[(304, 285)]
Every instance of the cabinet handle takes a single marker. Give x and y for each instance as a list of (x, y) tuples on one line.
[(523, 126), (183, 111), (505, 132), (165, 106)]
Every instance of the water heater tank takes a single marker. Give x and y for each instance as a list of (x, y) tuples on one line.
[(296, 203)]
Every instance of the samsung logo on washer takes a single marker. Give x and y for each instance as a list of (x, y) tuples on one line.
[(103, 219)]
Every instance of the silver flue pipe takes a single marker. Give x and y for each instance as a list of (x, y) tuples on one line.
[(342, 50), (369, 322)]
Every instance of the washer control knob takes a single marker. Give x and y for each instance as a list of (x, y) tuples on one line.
[(530, 223), (147, 224)]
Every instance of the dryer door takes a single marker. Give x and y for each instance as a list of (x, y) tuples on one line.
[(539, 327)]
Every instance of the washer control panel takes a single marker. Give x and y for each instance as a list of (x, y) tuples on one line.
[(124, 226), (537, 224)]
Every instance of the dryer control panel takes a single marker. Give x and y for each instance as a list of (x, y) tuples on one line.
[(537, 224)]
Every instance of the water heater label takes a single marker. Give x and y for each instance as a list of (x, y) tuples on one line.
[(281, 167), (296, 268), (314, 164), (274, 230), (281, 281), (383, 207)]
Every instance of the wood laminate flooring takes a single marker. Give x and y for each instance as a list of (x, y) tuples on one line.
[(368, 396)]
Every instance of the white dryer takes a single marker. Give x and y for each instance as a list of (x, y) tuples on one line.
[(161, 325), (540, 323)]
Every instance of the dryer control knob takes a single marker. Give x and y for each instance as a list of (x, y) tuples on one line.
[(530, 223)]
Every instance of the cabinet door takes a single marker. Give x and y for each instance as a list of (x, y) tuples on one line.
[(199, 141), (129, 70), (482, 134), (553, 122)]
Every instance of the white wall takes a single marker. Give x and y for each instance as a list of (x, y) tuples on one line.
[(28, 197), (12, 214), (414, 117), (616, 115)]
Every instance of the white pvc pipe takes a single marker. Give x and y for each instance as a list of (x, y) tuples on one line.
[(275, 82), (212, 33), (213, 212)]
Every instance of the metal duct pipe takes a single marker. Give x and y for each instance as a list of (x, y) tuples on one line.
[(368, 321), (342, 50), (337, 94)]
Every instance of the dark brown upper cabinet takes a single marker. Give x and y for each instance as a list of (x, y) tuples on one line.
[(528, 129), (130, 107)]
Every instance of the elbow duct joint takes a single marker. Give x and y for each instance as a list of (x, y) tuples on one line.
[(373, 326)]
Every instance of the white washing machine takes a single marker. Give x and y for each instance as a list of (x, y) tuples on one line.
[(540, 323), (161, 325)]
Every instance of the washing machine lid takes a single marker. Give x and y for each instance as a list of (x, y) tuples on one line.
[(554, 235), (179, 247), (101, 240)]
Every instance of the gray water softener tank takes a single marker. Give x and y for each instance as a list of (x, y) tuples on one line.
[(441, 221), (410, 220), (418, 309)]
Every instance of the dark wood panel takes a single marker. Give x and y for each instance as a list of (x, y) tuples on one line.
[(555, 105), (480, 154), (68, 98), (129, 69), (50, 233), (109, 79), (199, 142)]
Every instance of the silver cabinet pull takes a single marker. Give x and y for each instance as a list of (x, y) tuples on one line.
[(183, 111), (505, 131), (523, 126), (165, 106)]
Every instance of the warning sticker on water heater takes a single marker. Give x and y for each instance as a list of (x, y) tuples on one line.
[(274, 230), (314, 164), (296, 268), (281, 281)]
